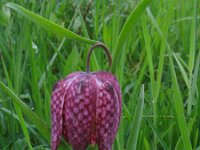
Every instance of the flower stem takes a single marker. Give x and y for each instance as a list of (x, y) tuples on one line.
[(106, 50)]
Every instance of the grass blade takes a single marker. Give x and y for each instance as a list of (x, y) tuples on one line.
[(48, 25), (19, 113), (40, 124), (42, 79), (192, 56), (183, 71), (162, 142), (195, 85), (127, 30), (163, 48), (178, 103), (94, 61), (193, 37), (133, 137), (148, 48), (185, 76), (137, 86)]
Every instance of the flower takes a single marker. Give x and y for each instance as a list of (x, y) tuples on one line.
[(86, 108)]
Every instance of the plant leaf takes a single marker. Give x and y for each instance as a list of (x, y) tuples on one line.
[(40, 124), (133, 137), (127, 30), (178, 103), (48, 25)]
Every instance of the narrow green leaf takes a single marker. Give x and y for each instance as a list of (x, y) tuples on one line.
[(193, 37), (34, 84), (162, 142), (178, 103), (127, 30), (154, 22), (190, 124), (126, 112), (72, 61), (195, 85), (40, 124), (133, 137), (148, 50), (18, 110), (192, 56), (94, 61), (137, 86), (48, 25), (163, 48), (42, 79), (185, 76), (85, 32)]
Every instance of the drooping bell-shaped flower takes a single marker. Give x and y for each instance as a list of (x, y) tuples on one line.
[(86, 108)]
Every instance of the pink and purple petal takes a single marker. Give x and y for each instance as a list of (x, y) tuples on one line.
[(80, 112)]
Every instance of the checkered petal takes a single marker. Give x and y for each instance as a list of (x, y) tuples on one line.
[(57, 105), (108, 109), (86, 109), (57, 101), (80, 112)]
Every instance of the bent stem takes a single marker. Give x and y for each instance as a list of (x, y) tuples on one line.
[(106, 50)]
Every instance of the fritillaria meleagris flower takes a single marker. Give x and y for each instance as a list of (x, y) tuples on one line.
[(86, 108)]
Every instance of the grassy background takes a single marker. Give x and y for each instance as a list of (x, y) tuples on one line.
[(154, 43)]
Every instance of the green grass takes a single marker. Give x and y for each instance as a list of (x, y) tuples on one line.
[(156, 58)]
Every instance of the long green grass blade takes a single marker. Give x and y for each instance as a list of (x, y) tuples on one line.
[(127, 30), (192, 55), (195, 85), (178, 103), (133, 137), (185, 76), (34, 84), (193, 37), (40, 124), (94, 61), (183, 71), (190, 126), (48, 25), (18, 110), (148, 48), (137, 86), (162, 142), (42, 79), (163, 48)]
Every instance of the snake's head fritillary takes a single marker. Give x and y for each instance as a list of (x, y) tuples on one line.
[(86, 109)]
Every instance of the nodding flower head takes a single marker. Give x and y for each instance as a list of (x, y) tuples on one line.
[(86, 108)]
